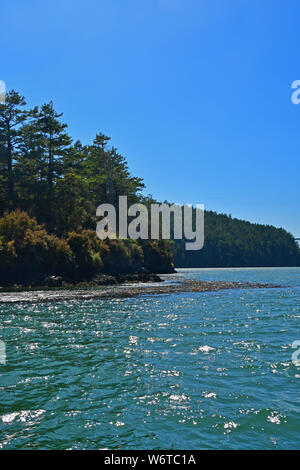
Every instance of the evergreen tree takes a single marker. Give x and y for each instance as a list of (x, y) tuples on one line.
[(12, 117), (54, 143)]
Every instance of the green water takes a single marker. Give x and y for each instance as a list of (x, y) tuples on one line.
[(185, 371)]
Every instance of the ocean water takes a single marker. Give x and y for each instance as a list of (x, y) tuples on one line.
[(207, 370)]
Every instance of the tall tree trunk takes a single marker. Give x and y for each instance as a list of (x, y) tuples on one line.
[(11, 191), (50, 186)]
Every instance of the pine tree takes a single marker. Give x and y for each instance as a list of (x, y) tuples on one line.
[(12, 117), (54, 143)]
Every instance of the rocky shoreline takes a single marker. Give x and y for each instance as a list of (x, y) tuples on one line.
[(57, 282), (125, 290)]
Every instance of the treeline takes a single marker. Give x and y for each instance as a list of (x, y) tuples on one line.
[(231, 242), (49, 190), (50, 187), (58, 182)]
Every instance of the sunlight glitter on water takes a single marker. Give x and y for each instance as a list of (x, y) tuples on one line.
[(203, 370)]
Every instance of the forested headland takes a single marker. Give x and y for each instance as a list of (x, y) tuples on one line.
[(231, 242), (50, 187)]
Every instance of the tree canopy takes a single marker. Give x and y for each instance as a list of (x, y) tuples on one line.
[(58, 182), (47, 176)]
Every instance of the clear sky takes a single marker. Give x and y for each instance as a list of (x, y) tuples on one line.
[(196, 94)]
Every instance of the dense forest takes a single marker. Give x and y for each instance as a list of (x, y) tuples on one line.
[(49, 190), (231, 242), (50, 187)]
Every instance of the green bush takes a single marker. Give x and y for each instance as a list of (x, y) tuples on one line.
[(8, 254), (116, 256), (122, 256), (87, 254), (28, 253), (158, 256), (136, 254)]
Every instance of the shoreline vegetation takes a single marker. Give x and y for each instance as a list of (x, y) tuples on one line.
[(124, 291), (50, 188)]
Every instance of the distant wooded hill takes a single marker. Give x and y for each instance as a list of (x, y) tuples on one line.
[(236, 243)]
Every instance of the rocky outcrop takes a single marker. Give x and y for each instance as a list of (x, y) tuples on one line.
[(53, 281)]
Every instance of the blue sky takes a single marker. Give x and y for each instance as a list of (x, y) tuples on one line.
[(195, 94)]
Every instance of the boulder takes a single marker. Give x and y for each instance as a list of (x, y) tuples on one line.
[(53, 281)]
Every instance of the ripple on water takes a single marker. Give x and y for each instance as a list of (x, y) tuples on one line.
[(186, 371)]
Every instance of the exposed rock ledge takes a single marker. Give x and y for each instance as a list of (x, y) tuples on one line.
[(124, 291)]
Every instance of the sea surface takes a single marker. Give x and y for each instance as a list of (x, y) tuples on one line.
[(209, 370)]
